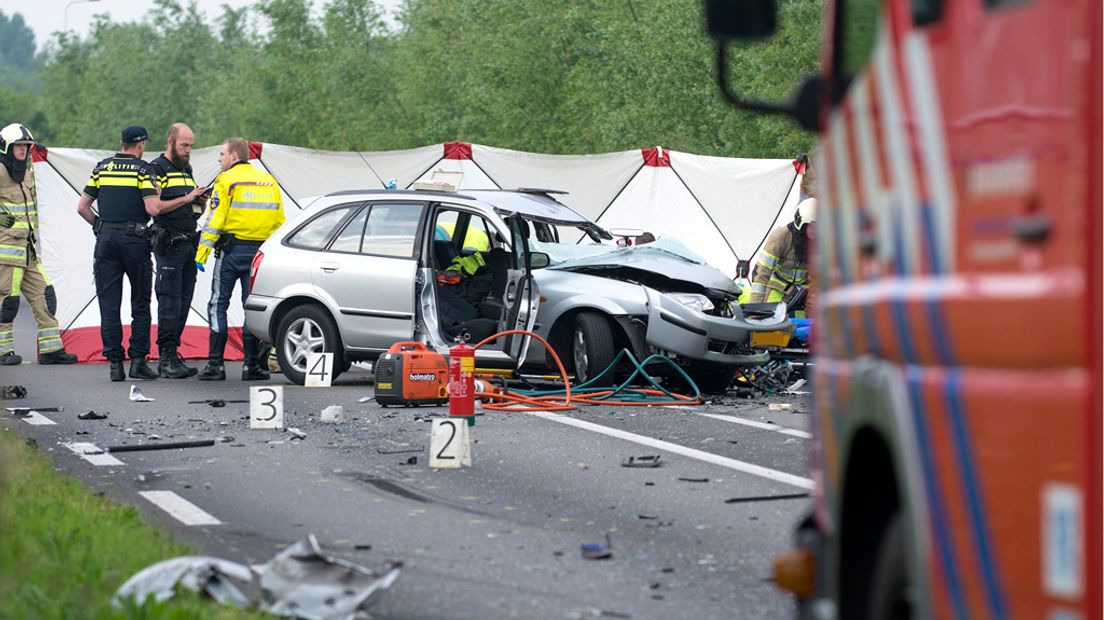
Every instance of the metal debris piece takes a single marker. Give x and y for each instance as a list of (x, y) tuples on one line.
[(302, 582), (92, 415), (137, 396), (694, 479), (642, 461), (647, 517), (172, 445), (412, 460), (764, 498), (205, 575), (296, 433), (400, 450), (365, 399), (12, 392), (26, 410), (215, 402)]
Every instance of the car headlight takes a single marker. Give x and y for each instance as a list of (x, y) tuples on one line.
[(697, 302)]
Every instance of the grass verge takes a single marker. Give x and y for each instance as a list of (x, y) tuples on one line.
[(64, 550)]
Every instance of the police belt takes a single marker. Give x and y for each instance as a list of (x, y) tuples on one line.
[(138, 229)]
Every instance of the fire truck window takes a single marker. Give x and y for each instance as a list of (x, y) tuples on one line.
[(859, 32), (926, 11)]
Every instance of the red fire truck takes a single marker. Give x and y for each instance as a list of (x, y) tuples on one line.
[(957, 452)]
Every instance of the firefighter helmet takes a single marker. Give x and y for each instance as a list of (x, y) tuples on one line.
[(805, 213), (14, 134)]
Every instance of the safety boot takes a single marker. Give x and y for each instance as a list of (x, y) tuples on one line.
[(214, 371), (117, 373), (59, 356), (140, 370), (169, 366), (10, 359), (252, 370), (192, 370)]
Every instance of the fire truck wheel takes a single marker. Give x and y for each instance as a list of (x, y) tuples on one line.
[(890, 588), (592, 348), (307, 329)]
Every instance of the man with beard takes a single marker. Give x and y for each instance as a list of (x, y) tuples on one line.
[(123, 187), (174, 247), (21, 271)]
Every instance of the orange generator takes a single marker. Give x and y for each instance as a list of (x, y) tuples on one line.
[(409, 375)]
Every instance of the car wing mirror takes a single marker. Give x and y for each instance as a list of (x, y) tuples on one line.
[(539, 260)]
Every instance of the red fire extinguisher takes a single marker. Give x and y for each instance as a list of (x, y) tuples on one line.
[(461, 388)]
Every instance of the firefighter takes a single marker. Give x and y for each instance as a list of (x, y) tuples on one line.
[(123, 187), (175, 240), (782, 271), (245, 209), (21, 271)]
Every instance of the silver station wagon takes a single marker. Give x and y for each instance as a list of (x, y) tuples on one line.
[(360, 270)]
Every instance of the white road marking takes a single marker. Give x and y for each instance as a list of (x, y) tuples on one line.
[(763, 425), (35, 418), (179, 508), (92, 454), (748, 468)]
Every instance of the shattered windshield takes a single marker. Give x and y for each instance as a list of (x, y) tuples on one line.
[(566, 253)]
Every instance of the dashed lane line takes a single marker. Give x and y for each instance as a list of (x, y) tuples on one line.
[(179, 508), (35, 418), (763, 425), (708, 457), (92, 454)]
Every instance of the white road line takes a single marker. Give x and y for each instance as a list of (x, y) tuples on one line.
[(179, 508), (83, 450), (748, 468), (35, 418), (763, 425)]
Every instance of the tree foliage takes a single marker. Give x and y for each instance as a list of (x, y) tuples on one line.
[(579, 76)]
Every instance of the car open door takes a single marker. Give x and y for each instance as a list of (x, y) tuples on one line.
[(522, 294)]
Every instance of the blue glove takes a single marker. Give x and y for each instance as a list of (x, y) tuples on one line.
[(199, 266)]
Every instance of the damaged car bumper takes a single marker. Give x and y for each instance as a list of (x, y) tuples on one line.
[(676, 328)]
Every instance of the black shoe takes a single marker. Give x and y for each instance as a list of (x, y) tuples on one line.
[(10, 359), (170, 367), (255, 373), (212, 372), (57, 357), (140, 370), (192, 370), (117, 373)]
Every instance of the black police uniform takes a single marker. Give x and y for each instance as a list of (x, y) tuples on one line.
[(174, 247), (121, 184)]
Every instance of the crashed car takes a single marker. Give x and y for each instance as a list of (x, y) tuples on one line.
[(361, 270)]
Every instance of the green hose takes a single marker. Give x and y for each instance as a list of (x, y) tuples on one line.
[(624, 393)]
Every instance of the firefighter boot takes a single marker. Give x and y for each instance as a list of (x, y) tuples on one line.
[(57, 357), (140, 370), (116, 372), (214, 371), (252, 369), (170, 366)]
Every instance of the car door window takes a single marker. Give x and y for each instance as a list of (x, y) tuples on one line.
[(348, 240), (314, 234), (391, 229)]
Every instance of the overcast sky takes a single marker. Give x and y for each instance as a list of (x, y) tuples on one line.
[(48, 16)]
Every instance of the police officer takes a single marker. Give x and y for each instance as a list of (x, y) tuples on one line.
[(123, 186), (245, 209), (174, 246), (21, 271)]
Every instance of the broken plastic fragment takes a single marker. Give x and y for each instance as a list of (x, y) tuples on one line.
[(205, 575), (137, 396), (642, 461), (92, 415)]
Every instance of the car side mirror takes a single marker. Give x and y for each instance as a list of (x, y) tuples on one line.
[(743, 268), (539, 260)]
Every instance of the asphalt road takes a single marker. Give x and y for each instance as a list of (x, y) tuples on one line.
[(499, 540)]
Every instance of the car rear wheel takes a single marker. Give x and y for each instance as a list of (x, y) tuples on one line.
[(592, 348), (305, 330)]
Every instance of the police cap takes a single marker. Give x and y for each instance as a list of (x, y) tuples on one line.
[(135, 133)]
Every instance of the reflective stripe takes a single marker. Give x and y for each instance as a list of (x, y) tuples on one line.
[(14, 251), (42, 272), (49, 339), (207, 242), (238, 204), (17, 282), (47, 332), (211, 231), (767, 260), (758, 288)]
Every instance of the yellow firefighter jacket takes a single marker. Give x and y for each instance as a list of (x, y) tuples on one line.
[(246, 203), (18, 199), (779, 268)]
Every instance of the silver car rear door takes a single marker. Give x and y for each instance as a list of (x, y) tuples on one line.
[(522, 292)]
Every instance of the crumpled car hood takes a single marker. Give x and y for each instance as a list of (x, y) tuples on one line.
[(664, 264)]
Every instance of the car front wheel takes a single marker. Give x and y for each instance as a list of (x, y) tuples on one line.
[(305, 330), (592, 349)]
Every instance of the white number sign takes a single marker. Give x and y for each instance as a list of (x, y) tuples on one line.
[(319, 370), (266, 406), (449, 444)]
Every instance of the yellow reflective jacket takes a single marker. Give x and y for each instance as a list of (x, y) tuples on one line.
[(246, 203), (778, 268), (18, 199)]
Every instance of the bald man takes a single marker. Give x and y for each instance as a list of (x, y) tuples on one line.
[(174, 247)]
